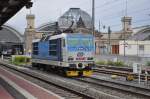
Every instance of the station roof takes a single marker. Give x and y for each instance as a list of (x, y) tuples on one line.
[(141, 35), (10, 35), (9, 8)]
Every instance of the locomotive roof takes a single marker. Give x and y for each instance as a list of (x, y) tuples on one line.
[(69, 34), (63, 35)]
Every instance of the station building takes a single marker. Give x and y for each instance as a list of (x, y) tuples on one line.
[(72, 21), (128, 38), (138, 44), (77, 20)]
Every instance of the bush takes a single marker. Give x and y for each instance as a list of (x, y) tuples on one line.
[(148, 63), (101, 63), (119, 63), (20, 60), (110, 63)]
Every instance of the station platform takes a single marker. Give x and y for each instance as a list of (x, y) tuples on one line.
[(4, 94), (25, 88)]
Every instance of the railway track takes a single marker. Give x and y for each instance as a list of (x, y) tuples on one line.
[(125, 72), (43, 81), (128, 69), (142, 92), (80, 90), (88, 88), (115, 68)]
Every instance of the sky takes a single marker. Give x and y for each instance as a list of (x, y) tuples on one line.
[(107, 12)]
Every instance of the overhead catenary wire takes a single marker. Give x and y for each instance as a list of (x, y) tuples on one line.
[(106, 9), (106, 5), (121, 11), (137, 21), (119, 16), (129, 12)]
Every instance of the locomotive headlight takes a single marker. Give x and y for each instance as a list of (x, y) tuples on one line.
[(86, 65), (80, 65), (70, 58)]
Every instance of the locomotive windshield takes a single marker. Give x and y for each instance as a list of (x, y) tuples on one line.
[(80, 43)]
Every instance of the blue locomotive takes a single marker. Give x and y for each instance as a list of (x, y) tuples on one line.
[(69, 53)]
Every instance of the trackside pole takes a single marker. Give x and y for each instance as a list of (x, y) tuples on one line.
[(139, 78), (146, 73), (2, 57), (139, 72)]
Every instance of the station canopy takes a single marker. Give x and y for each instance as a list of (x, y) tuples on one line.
[(141, 35), (9, 8), (10, 35)]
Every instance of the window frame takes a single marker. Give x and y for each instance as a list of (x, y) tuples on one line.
[(35, 48), (141, 47), (53, 50)]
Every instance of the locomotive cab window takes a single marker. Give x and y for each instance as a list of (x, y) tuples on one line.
[(53, 47), (35, 48)]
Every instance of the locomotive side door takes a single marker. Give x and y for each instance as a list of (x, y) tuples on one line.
[(64, 52)]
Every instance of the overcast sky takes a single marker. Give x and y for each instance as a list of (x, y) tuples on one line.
[(109, 12)]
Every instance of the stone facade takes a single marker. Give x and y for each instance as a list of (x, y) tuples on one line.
[(109, 43), (30, 33), (106, 45)]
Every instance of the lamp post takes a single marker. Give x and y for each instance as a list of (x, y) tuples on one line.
[(3, 43), (109, 48), (93, 17), (126, 12), (137, 48)]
